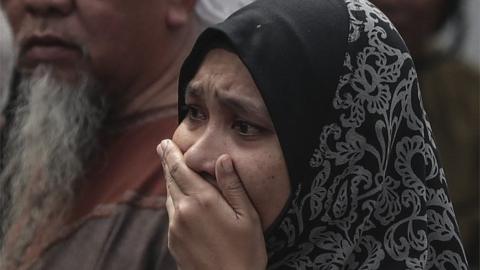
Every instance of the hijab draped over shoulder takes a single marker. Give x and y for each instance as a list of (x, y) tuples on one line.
[(368, 190)]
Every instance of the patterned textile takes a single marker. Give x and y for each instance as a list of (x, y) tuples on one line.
[(368, 190)]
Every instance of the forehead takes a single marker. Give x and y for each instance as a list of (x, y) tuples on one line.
[(222, 70)]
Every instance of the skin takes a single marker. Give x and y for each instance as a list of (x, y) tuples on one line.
[(132, 49), (417, 20), (224, 158)]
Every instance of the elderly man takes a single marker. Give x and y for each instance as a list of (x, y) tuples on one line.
[(97, 93)]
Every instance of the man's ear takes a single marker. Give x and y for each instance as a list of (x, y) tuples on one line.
[(179, 12)]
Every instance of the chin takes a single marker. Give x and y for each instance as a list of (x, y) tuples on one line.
[(62, 73)]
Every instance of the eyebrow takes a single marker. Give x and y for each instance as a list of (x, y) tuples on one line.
[(239, 105), (193, 91)]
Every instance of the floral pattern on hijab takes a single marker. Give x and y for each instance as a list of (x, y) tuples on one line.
[(378, 198), (368, 191)]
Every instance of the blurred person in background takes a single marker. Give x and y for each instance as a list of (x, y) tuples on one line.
[(450, 91), (7, 60), (81, 185)]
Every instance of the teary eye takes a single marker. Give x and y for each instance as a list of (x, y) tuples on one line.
[(195, 113), (245, 128)]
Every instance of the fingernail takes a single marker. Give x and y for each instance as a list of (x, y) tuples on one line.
[(164, 145), (227, 165), (159, 149)]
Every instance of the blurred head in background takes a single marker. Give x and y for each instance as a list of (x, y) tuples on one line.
[(419, 20)]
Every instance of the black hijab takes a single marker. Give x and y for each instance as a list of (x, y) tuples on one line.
[(368, 191)]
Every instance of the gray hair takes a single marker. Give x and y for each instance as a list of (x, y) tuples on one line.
[(53, 133)]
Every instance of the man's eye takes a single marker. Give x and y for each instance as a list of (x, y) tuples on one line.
[(195, 113), (246, 129)]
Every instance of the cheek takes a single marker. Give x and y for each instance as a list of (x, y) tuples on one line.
[(104, 32), (102, 44), (110, 35), (15, 14), (262, 175), (183, 138)]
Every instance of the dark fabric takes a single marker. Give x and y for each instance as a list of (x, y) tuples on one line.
[(368, 190), (129, 238), (260, 42), (118, 220)]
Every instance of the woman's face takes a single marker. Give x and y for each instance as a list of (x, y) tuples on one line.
[(227, 115)]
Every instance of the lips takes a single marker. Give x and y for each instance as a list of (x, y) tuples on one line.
[(48, 49)]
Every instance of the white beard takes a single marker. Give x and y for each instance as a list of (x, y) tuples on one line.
[(53, 133)]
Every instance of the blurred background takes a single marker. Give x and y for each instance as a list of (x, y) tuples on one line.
[(443, 37), (470, 50)]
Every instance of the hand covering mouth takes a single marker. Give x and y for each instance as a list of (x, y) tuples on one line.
[(210, 179)]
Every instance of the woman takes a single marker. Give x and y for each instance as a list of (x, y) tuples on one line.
[(303, 144)]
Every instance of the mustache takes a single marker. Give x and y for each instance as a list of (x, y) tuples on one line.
[(46, 32)]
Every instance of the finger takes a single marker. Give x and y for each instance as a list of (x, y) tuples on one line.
[(170, 207), (185, 178), (173, 191), (232, 187)]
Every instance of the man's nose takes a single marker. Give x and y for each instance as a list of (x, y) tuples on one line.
[(49, 8), (203, 153)]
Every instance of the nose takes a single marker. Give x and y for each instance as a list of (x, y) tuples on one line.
[(202, 153), (49, 8)]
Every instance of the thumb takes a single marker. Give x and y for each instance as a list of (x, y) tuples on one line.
[(231, 186)]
